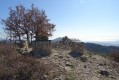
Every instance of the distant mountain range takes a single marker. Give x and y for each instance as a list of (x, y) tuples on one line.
[(98, 47), (108, 43), (60, 39), (57, 39)]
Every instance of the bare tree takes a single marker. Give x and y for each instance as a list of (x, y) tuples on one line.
[(22, 21), (40, 25), (13, 23)]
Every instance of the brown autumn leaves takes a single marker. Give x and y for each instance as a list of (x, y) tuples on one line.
[(28, 23)]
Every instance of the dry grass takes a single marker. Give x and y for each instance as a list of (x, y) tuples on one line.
[(18, 67), (114, 60)]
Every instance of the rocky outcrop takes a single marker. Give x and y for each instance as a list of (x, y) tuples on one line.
[(85, 67)]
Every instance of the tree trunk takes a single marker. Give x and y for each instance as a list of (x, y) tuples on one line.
[(28, 38), (31, 38), (19, 38)]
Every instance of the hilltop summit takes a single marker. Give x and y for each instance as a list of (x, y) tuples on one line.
[(88, 66)]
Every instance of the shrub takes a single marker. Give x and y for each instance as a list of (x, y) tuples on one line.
[(70, 76), (7, 49), (77, 47), (18, 67), (83, 59), (114, 56)]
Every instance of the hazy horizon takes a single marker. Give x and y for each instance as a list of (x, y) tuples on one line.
[(87, 20)]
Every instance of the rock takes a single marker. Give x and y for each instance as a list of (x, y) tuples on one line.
[(59, 78), (95, 78), (102, 64), (56, 79), (91, 61), (67, 68), (85, 66), (87, 72), (112, 77), (104, 73), (45, 77), (68, 56), (66, 59), (55, 54), (69, 64), (60, 56), (25, 45)]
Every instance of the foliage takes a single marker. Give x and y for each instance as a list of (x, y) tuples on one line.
[(22, 21), (41, 38)]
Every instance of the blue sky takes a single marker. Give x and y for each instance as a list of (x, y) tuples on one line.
[(87, 20)]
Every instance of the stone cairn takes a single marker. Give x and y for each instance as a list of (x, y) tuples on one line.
[(25, 45), (25, 48)]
